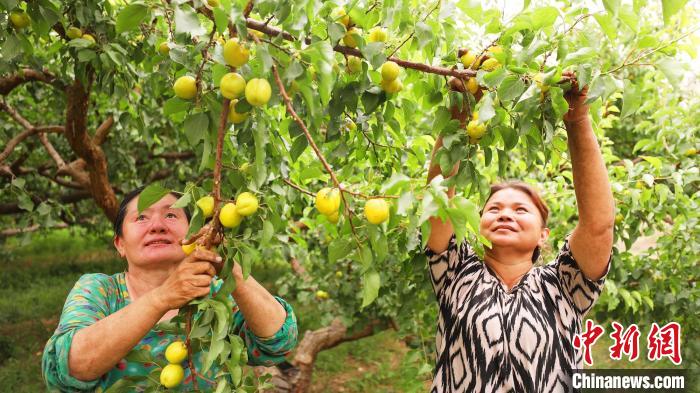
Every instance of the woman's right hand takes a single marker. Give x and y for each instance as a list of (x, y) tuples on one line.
[(189, 280)]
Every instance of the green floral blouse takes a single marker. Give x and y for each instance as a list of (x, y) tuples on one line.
[(96, 296)]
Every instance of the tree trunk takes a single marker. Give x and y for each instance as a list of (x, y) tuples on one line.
[(296, 377)]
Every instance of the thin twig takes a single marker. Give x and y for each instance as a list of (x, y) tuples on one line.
[(643, 55), (437, 5), (205, 57), (169, 22), (307, 192)]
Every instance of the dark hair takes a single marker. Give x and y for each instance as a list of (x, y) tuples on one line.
[(119, 219), (533, 194)]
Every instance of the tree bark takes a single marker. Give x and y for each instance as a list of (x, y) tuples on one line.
[(78, 97)]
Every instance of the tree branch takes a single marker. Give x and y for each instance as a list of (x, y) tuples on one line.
[(462, 74), (103, 130), (8, 83), (29, 130)]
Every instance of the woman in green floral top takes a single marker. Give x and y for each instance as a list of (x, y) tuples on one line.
[(107, 317)]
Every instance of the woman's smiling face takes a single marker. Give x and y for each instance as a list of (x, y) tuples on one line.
[(511, 219), (153, 236)]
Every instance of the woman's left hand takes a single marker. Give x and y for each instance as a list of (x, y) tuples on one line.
[(578, 109)]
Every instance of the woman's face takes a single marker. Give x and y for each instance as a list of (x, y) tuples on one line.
[(510, 219), (153, 236)]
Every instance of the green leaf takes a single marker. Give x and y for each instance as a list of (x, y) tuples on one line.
[(559, 103), (611, 6), (654, 161), (216, 347), (370, 287), (673, 70), (175, 105), (607, 24), (631, 99), (510, 88), (670, 8), (126, 384), (183, 201), (132, 16), (221, 19), (601, 87), (379, 243), (186, 21), (298, 146), (374, 54), (486, 109), (140, 356), (267, 232), (338, 249), (543, 17), (196, 127), (150, 195)]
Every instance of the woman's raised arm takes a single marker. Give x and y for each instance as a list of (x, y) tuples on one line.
[(441, 231), (592, 239)]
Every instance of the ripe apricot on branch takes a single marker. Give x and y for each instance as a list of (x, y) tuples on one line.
[(354, 64), (495, 50), (394, 86), (258, 92), (339, 15), (328, 200), (20, 19), (229, 216), (235, 53), (490, 64), (539, 80), (74, 32), (475, 130), (89, 38), (334, 217), (322, 295), (377, 34), (469, 60), (176, 352), (185, 87), (472, 85), (235, 117), (246, 204), (390, 71), (232, 85), (172, 375), (376, 211), (164, 48), (349, 38), (206, 203), (189, 248)]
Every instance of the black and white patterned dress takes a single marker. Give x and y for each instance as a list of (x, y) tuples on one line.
[(490, 339)]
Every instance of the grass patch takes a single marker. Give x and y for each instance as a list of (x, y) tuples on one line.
[(36, 279)]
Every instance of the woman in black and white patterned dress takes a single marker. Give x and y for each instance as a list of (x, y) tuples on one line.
[(504, 325)]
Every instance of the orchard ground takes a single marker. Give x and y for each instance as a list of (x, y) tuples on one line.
[(38, 275)]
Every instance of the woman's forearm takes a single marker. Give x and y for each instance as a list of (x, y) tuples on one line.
[(440, 231), (261, 311), (97, 348), (594, 196)]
